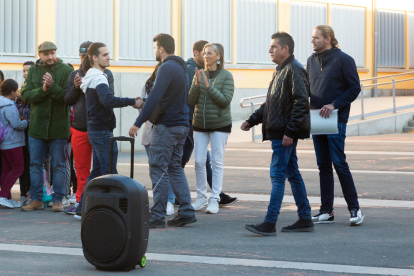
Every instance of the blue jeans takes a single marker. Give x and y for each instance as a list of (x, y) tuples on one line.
[(38, 149), (285, 165), (101, 153), (330, 149)]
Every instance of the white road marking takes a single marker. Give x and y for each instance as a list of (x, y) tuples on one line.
[(267, 169), (402, 153), (335, 268)]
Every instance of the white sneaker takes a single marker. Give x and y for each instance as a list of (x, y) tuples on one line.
[(213, 207), (4, 202), (65, 202), (77, 217), (356, 217), (15, 204), (200, 203), (170, 209), (72, 199), (50, 204)]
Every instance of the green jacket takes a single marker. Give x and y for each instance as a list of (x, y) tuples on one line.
[(49, 116), (212, 105)]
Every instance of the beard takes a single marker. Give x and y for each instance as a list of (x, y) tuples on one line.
[(157, 57)]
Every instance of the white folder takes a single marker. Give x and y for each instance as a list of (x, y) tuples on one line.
[(321, 125)]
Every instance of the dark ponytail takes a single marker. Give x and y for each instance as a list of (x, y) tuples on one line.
[(93, 50)]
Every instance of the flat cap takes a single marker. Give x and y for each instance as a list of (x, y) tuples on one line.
[(46, 46)]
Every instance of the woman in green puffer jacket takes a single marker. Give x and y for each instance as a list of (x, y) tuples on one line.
[(211, 92)]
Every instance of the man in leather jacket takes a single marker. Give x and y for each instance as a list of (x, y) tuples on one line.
[(285, 118)]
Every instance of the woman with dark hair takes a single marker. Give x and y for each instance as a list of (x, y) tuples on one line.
[(11, 142), (147, 134), (211, 92)]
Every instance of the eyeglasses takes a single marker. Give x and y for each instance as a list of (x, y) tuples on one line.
[(83, 50)]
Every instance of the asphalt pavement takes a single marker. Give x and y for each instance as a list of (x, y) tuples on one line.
[(382, 167)]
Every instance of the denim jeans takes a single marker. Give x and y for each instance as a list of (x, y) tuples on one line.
[(37, 149), (101, 153), (171, 195), (285, 165), (166, 150), (330, 149)]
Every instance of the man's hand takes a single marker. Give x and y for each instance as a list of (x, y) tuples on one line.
[(77, 81), (206, 83), (22, 118), (287, 141), (326, 110), (245, 126), (133, 131), (47, 81), (139, 103)]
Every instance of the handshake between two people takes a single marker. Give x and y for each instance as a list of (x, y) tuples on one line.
[(139, 103)]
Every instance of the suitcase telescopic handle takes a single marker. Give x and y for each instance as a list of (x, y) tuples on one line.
[(126, 139)]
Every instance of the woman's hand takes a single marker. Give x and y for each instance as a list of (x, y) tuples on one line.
[(206, 83), (198, 77)]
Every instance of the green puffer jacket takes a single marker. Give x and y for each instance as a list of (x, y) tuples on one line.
[(212, 104), (49, 116)]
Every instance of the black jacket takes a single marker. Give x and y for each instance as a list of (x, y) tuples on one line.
[(171, 81), (76, 97), (333, 78), (286, 110)]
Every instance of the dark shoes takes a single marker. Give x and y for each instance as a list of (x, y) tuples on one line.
[(226, 200), (181, 221), (302, 225), (156, 223), (264, 228)]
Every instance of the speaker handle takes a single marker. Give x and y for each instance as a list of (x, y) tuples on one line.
[(122, 138)]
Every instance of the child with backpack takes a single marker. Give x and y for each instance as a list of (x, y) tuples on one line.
[(12, 141)]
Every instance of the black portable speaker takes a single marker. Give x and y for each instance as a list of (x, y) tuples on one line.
[(115, 219)]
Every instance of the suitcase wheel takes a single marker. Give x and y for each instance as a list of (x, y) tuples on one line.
[(143, 262)]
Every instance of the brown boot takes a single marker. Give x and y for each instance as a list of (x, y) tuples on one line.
[(34, 205), (57, 207)]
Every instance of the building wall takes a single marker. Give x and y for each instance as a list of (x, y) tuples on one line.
[(242, 29)]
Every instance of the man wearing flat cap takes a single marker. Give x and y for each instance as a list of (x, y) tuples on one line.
[(49, 123)]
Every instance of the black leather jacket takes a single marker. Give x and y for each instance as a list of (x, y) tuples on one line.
[(286, 110), (75, 96)]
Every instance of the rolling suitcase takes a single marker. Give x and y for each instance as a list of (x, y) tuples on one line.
[(115, 219)]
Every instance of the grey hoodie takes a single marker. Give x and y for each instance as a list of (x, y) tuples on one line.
[(9, 115)]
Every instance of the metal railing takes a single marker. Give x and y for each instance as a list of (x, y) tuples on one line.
[(393, 82), (250, 103)]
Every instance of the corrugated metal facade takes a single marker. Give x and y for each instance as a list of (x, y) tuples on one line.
[(81, 20), (391, 39), (304, 17), (140, 21), (411, 36), (256, 22), (348, 24), (207, 20), (17, 20)]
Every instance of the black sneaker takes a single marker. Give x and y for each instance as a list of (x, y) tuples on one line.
[(226, 200), (179, 220), (156, 223), (324, 217), (264, 228), (176, 202), (302, 225)]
